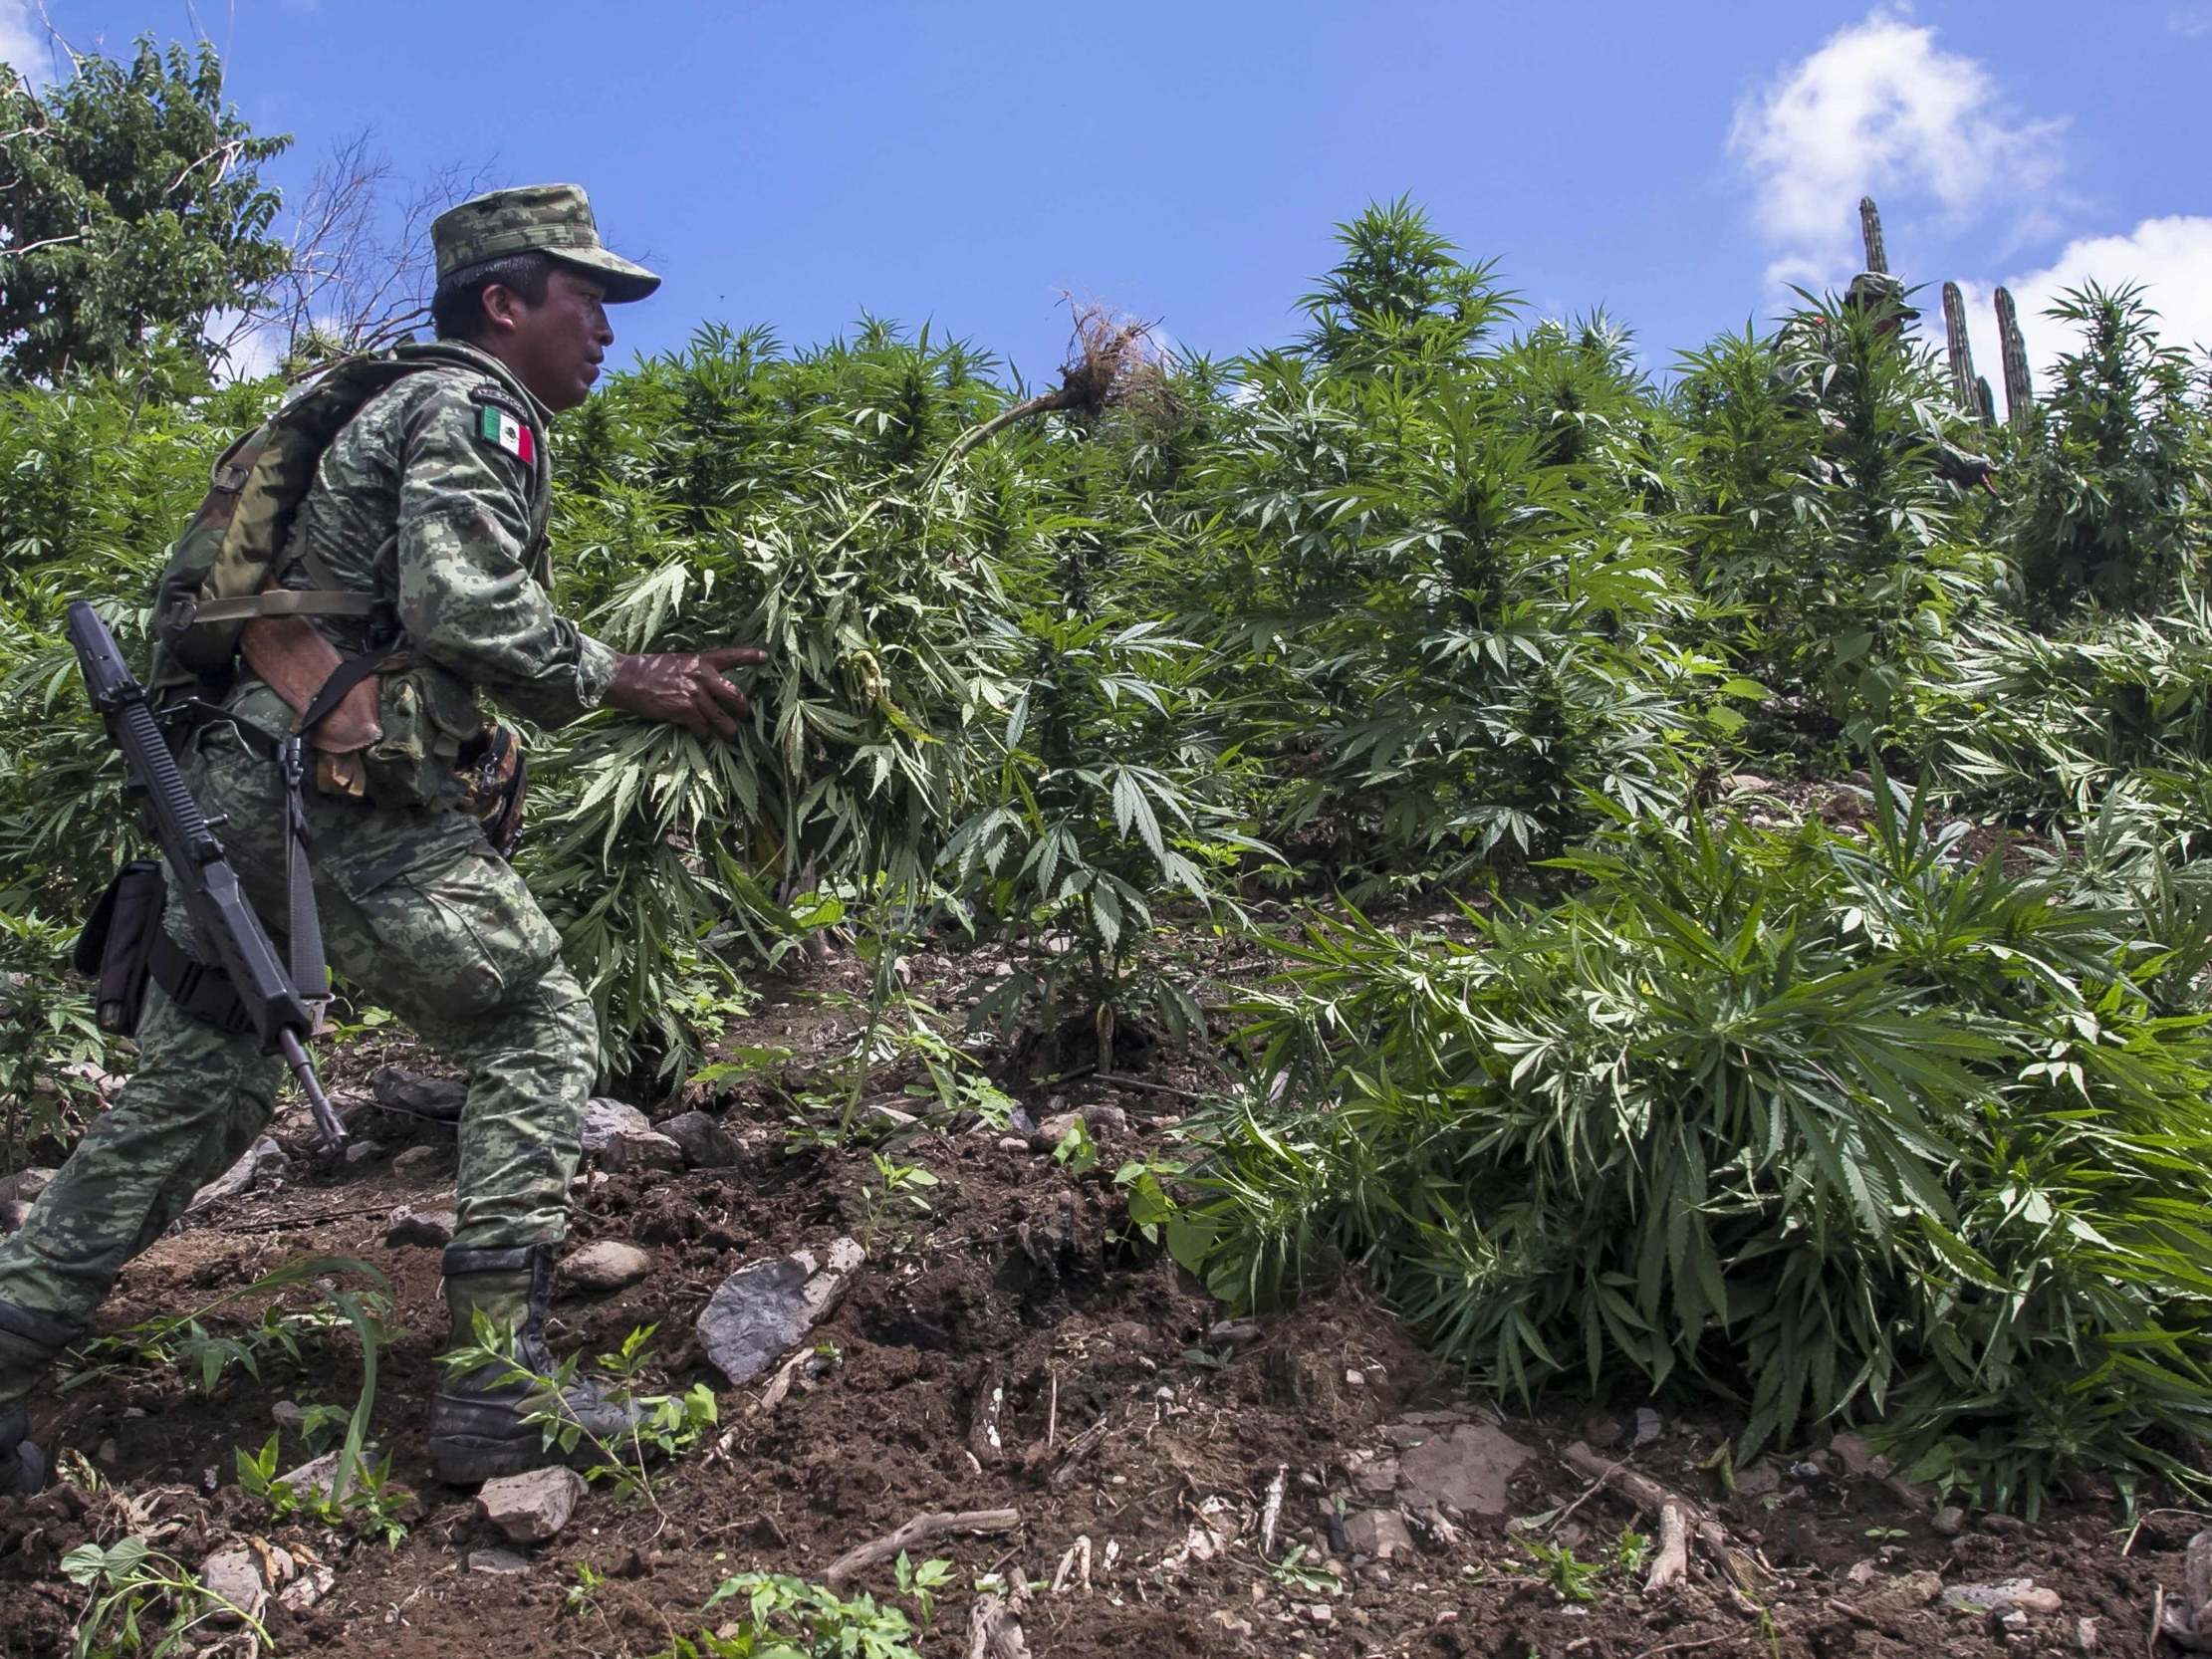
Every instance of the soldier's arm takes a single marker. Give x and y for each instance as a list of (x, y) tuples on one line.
[(467, 600)]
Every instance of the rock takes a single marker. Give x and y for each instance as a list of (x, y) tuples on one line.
[(503, 1562), (2084, 1635), (1856, 1457), (1381, 1535), (1467, 1468), (530, 1508), (12, 1214), (263, 1161), (641, 1149), (760, 1310), (314, 1582), (2002, 1596), (1744, 783), (419, 1095), (238, 1579), (430, 1229), (605, 1265), (1950, 1521), (2003, 1524), (1013, 1143), (1907, 1593), (1372, 1473), (315, 1475), (361, 1151), (605, 1118), (1756, 1480), (1319, 1612), (418, 1160), (1231, 1331), (27, 1184), (289, 1415), (704, 1145), (1103, 1122), (1647, 1426)]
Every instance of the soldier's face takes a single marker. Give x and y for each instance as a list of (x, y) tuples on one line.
[(555, 349)]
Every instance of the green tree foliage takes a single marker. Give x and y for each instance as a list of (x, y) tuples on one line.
[(131, 206)]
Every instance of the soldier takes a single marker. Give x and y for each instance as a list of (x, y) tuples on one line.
[(1882, 297), (432, 499)]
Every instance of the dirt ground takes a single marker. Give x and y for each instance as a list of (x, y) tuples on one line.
[(1131, 1421)]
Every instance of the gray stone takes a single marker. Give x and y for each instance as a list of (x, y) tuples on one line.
[(263, 1162), (1647, 1426), (430, 1229), (503, 1564), (314, 1582), (1227, 1331), (27, 1184), (2002, 1596), (1103, 1122), (760, 1310), (1013, 1143), (419, 1095), (317, 1475), (1950, 1521), (1744, 783), (533, 1507), (635, 1150), (1373, 1473), (1467, 1468), (605, 1118), (418, 1160), (288, 1414), (1756, 1480), (1381, 1535), (235, 1577), (1858, 1459), (361, 1152), (704, 1145), (606, 1266)]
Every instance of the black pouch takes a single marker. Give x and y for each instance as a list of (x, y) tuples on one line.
[(115, 950)]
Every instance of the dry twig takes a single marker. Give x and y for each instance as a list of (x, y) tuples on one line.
[(921, 1530)]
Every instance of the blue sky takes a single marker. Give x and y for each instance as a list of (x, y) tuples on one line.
[(795, 164)]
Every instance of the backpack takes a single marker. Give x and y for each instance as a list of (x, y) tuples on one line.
[(221, 572)]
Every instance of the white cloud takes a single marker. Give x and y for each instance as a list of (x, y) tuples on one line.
[(2172, 257), (1880, 110), (2190, 22), (23, 45)]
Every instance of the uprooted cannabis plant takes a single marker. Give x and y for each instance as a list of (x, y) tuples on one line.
[(1847, 1126)]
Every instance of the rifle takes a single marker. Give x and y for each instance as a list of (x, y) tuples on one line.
[(280, 1007)]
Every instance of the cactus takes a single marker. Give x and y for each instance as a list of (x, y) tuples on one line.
[(1869, 230), (1965, 384), (1985, 400), (2020, 391)]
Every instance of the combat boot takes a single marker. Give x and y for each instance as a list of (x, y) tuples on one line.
[(480, 1426), (28, 1343)]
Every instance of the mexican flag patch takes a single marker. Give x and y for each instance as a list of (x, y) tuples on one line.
[(503, 431)]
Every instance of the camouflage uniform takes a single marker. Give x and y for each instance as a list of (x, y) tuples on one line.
[(415, 502)]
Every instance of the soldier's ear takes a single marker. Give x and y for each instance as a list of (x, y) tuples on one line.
[(503, 308)]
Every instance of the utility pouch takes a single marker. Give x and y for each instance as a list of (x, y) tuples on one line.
[(412, 762), (115, 950)]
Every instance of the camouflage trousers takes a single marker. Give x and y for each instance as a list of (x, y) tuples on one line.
[(419, 914)]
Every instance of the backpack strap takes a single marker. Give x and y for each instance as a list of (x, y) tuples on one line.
[(289, 602)]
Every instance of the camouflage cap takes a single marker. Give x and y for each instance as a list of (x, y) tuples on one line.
[(554, 219)]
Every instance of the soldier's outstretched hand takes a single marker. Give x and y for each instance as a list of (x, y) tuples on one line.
[(685, 688)]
